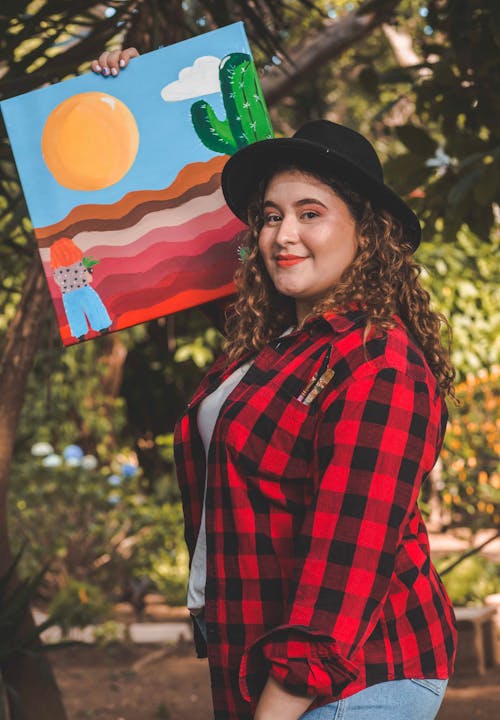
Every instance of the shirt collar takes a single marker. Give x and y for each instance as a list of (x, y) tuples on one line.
[(338, 322)]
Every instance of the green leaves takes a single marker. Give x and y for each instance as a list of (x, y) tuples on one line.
[(486, 188), (78, 604), (89, 262), (471, 581), (471, 466), (464, 279), (445, 114), (417, 140), (16, 597), (196, 351), (369, 80), (201, 349), (405, 173)]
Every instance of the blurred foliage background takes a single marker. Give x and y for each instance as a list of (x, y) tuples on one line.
[(92, 482)]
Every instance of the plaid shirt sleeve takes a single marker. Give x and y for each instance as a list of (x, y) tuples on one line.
[(375, 442)]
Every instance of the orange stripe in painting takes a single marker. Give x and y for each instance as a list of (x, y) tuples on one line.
[(183, 300), (184, 181)]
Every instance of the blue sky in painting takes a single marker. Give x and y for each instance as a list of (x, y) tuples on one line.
[(167, 138)]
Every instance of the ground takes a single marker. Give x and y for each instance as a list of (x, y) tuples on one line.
[(145, 683), (166, 682)]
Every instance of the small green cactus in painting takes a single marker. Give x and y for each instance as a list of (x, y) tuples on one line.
[(247, 119)]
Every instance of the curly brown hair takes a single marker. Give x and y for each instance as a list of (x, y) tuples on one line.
[(382, 279)]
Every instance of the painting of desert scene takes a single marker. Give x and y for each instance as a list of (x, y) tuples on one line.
[(130, 221)]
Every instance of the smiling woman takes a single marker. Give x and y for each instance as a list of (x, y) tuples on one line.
[(311, 584), (308, 237)]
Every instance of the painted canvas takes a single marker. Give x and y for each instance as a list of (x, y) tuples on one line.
[(122, 180)]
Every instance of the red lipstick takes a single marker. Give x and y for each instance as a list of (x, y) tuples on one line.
[(289, 260)]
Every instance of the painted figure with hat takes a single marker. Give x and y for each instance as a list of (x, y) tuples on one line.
[(301, 455), (73, 274)]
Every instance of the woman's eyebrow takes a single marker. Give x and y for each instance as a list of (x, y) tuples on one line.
[(309, 201), (303, 201)]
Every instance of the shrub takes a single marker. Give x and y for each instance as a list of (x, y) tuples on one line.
[(79, 604), (109, 633), (100, 526), (470, 581), (470, 486)]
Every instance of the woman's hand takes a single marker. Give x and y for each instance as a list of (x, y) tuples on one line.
[(276, 702), (110, 63)]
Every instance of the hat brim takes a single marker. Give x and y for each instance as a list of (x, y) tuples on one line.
[(244, 171)]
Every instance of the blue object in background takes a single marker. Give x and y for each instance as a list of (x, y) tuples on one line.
[(73, 452), (128, 470)]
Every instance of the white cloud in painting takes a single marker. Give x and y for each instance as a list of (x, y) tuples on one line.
[(202, 78)]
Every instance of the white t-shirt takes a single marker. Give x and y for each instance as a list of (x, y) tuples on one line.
[(208, 412)]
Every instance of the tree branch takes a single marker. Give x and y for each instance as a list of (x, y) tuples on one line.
[(319, 47), (402, 46), (468, 554)]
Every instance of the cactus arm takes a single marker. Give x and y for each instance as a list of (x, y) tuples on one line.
[(229, 72), (243, 105), (215, 134), (259, 122), (243, 100)]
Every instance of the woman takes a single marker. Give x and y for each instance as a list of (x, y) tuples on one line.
[(301, 454)]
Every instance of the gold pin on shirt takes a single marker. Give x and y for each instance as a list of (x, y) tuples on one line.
[(319, 386), (317, 375)]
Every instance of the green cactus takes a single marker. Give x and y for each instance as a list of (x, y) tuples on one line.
[(247, 119), (214, 133)]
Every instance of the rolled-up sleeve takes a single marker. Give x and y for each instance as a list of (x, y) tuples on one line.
[(375, 442)]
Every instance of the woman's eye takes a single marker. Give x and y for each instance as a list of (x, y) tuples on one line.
[(272, 218), (309, 214)]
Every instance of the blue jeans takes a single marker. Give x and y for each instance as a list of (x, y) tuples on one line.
[(394, 700)]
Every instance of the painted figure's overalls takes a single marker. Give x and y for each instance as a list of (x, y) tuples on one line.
[(82, 304)]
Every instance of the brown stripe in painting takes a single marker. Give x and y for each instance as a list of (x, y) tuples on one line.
[(134, 215), (130, 200)]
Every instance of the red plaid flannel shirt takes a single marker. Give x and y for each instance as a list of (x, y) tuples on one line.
[(318, 568)]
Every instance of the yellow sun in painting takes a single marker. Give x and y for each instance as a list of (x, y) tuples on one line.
[(90, 141)]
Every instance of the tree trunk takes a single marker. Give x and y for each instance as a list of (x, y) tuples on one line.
[(318, 47), (402, 46), (113, 356), (37, 695)]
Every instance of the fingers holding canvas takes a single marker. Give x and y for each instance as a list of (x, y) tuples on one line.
[(111, 62)]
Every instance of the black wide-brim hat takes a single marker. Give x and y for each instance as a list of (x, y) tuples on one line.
[(324, 147)]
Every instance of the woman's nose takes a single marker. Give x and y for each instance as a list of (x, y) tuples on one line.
[(287, 230)]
